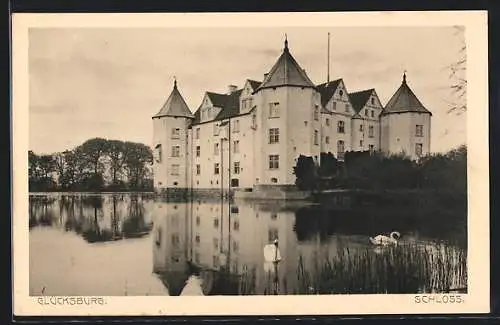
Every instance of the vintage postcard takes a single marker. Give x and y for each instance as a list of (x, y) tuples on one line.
[(250, 164)]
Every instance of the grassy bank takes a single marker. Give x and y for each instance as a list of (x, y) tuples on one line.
[(400, 269)]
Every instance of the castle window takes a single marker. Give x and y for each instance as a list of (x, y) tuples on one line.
[(340, 149), (340, 127), (373, 101), (327, 139), (334, 105), (254, 121), (236, 167), (274, 135), (216, 223), (274, 180), (176, 133), (198, 151), (174, 170), (216, 149), (274, 161), (370, 131), (373, 113), (361, 128), (347, 107), (274, 110), (235, 182), (366, 112), (418, 149), (216, 243), (198, 220), (176, 151), (235, 246), (316, 112), (419, 131), (158, 153), (236, 146), (236, 126), (316, 137), (216, 129), (341, 92), (197, 133), (236, 225), (327, 122), (372, 148), (360, 143), (198, 169), (216, 168), (197, 240)]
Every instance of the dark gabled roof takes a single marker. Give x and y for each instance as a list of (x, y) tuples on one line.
[(218, 100), (254, 84), (327, 90), (404, 100), (286, 72), (230, 105), (175, 105), (358, 99)]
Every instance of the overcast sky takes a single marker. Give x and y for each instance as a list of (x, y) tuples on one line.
[(87, 82)]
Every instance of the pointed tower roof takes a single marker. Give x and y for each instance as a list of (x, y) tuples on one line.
[(286, 72), (175, 105), (404, 100)]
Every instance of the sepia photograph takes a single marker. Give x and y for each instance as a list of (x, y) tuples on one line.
[(180, 157)]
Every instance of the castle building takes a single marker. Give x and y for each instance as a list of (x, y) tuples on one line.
[(253, 136)]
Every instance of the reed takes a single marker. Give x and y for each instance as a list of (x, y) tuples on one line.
[(408, 268)]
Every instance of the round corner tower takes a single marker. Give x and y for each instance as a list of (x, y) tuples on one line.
[(170, 143)]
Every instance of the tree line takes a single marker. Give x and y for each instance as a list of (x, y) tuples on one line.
[(96, 165), (376, 171)]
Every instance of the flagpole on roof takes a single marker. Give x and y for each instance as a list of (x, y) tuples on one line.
[(328, 61)]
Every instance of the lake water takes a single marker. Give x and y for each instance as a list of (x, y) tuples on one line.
[(138, 244)]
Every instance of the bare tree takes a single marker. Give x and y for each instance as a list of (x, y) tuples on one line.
[(457, 76)]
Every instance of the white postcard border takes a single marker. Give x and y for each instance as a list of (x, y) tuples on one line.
[(476, 301)]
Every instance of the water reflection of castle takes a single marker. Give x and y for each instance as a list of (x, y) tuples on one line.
[(223, 238)]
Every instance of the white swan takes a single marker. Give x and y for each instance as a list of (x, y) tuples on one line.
[(382, 240), (272, 252)]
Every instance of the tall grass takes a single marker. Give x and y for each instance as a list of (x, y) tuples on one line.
[(408, 268)]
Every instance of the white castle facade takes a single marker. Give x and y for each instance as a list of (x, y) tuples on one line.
[(253, 136)]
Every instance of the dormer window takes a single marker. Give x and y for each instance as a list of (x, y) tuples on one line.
[(373, 101), (341, 93)]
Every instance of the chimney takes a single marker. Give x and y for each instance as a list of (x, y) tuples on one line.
[(231, 89)]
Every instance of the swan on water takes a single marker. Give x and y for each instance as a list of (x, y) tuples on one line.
[(384, 240), (272, 252)]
